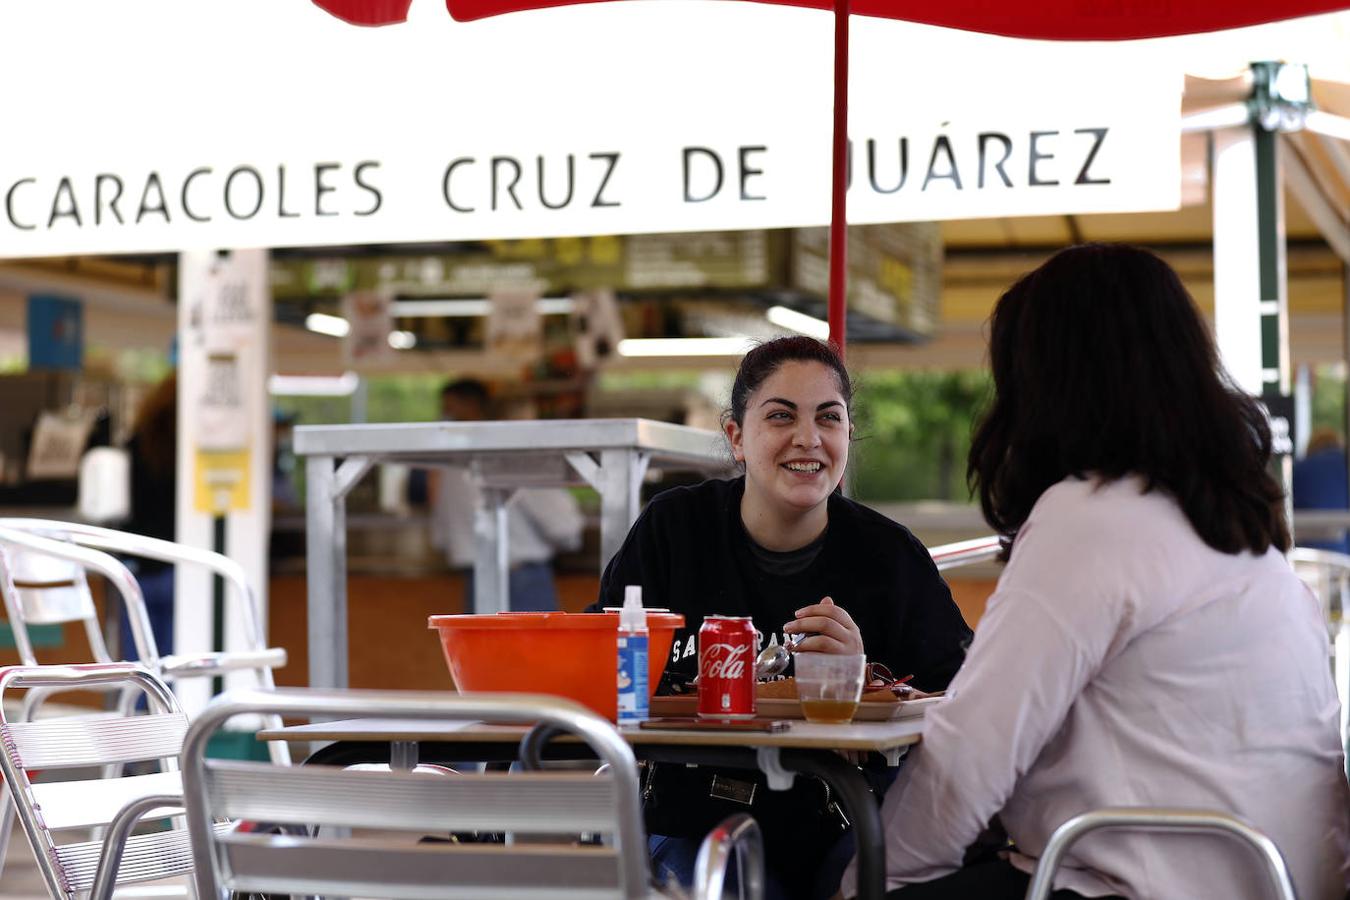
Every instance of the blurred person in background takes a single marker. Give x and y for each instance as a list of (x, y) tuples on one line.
[(541, 522), (1322, 482), (153, 453), (1148, 644)]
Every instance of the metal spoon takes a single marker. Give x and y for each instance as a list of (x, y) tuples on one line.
[(774, 658)]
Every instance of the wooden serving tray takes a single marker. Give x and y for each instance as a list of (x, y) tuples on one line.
[(871, 711)]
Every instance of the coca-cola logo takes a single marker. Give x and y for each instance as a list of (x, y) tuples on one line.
[(725, 660)]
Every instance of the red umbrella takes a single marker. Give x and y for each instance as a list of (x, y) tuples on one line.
[(1078, 20)]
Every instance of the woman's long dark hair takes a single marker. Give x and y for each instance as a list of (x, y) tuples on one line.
[(1102, 364)]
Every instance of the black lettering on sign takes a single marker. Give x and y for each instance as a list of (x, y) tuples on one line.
[(282, 211), (72, 210), (229, 192), (747, 172), (445, 183), (571, 182), (146, 207), (9, 204), (497, 161), (872, 166), (691, 154), (1034, 156), (1099, 135), (112, 203), (321, 187), (370, 188), (942, 145), (984, 139), (613, 159), (187, 185)]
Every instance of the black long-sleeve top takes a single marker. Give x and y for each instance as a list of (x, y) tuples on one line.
[(692, 555)]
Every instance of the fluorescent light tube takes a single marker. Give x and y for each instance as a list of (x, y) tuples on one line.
[(342, 385), (435, 308), (326, 324), (799, 322), (715, 346)]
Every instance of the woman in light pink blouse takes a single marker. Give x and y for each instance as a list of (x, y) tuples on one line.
[(1148, 644)]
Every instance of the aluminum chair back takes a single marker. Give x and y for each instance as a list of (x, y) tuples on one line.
[(1166, 821), (82, 547), (240, 593), (44, 582), (526, 803), (55, 813)]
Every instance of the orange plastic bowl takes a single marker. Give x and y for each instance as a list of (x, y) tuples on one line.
[(569, 654)]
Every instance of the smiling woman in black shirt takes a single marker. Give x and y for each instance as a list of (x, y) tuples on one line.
[(781, 545)]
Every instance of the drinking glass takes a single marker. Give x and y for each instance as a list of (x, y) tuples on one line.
[(829, 685)]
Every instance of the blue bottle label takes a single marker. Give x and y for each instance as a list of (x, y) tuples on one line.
[(632, 678)]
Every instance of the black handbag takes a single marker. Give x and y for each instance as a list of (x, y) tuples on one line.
[(689, 801)]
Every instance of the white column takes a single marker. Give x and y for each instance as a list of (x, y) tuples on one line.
[(224, 440), (1237, 257)]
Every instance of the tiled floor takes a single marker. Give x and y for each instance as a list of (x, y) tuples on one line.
[(20, 880)]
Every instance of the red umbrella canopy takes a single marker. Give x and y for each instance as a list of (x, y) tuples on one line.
[(1069, 20)]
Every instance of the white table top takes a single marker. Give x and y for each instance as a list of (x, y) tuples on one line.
[(878, 736)]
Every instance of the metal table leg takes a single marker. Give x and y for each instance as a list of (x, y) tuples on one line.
[(326, 555), (491, 564), (846, 781), (619, 482), (851, 792)]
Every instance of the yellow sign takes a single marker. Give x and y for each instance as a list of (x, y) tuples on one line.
[(221, 481)]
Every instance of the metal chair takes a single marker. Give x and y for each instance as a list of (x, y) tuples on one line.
[(44, 568), (1170, 821), (1327, 574), (524, 803), (43, 575), (50, 810), (258, 657)]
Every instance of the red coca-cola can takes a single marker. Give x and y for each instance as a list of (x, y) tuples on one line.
[(726, 668)]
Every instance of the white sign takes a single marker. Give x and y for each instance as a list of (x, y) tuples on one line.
[(608, 119), (58, 443)]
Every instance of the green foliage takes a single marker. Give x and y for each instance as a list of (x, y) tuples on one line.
[(912, 434), (1328, 400), (404, 398)]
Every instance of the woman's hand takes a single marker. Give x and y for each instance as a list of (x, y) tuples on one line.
[(829, 629)]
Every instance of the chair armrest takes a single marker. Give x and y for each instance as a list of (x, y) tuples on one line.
[(739, 833), (119, 830), (185, 666)]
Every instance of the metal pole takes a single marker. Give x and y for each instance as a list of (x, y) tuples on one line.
[(492, 562), (326, 554), (621, 473)]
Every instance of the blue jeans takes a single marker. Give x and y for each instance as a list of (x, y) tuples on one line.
[(531, 588), (673, 859), (157, 589)]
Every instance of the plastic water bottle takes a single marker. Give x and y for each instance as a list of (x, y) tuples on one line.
[(632, 643)]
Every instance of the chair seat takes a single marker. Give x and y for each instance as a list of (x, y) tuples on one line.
[(84, 804), (196, 665)]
